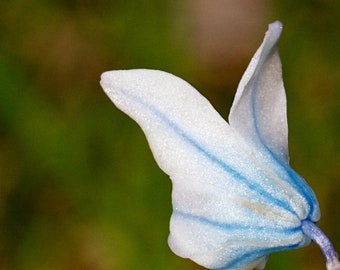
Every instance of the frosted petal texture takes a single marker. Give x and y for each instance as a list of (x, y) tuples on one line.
[(235, 198)]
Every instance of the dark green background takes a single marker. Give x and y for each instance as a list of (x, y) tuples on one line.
[(79, 188)]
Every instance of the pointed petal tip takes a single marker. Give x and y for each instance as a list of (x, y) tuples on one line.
[(105, 79), (121, 76), (275, 25), (107, 76), (112, 79), (274, 31), (104, 75)]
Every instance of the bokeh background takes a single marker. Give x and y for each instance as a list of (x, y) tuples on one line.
[(79, 188)]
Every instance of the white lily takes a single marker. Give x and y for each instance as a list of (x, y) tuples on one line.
[(235, 197)]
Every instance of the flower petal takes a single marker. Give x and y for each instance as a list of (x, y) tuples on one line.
[(230, 210), (177, 120), (258, 112)]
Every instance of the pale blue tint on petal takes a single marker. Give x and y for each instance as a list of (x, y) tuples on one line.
[(235, 198), (203, 151), (233, 244), (249, 255), (258, 113), (216, 177)]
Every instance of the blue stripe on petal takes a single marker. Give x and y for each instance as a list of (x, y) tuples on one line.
[(294, 179), (301, 186), (298, 183), (210, 156), (247, 257), (238, 226)]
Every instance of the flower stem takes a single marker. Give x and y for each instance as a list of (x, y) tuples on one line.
[(312, 231)]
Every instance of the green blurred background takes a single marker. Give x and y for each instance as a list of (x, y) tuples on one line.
[(79, 188)]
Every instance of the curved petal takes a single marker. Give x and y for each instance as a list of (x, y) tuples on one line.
[(231, 206), (228, 245), (258, 112)]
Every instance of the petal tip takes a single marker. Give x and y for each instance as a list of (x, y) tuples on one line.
[(274, 31), (275, 25), (112, 79), (105, 79)]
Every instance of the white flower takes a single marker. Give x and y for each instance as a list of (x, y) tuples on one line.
[(235, 197)]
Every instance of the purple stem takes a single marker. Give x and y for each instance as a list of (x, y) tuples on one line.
[(312, 231)]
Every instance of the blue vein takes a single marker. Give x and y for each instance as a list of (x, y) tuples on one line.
[(177, 130), (253, 255), (257, 252), (293, 178), (237, 226)]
